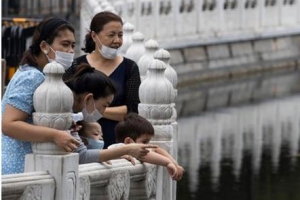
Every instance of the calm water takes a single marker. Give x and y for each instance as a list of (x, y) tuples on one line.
[(246, 153)]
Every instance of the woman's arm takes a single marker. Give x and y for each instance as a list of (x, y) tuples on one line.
[(133, 82), (115, 113), (132, 100), (14, 126)]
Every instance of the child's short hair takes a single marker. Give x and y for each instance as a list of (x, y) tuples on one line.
[(133, 126)]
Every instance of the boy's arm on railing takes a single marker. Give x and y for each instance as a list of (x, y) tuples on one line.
[(180, 169), (157, 159), (136, 150)]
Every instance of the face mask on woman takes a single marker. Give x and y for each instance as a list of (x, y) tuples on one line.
[(63, 58), (107, 52), (94, 116)]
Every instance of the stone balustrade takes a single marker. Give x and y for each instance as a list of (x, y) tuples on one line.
[(174, 23), (121, 180), (31, 185)]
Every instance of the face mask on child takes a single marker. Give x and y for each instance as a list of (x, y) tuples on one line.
[(94, 144), (93, 116), (107, 52)]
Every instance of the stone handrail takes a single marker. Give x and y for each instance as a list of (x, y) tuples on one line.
[(121, 180), (175, 23), (31, 185)]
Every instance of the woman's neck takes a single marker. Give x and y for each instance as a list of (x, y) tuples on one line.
[(107, 66)]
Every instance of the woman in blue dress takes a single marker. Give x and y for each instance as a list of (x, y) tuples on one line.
[(51, 36)]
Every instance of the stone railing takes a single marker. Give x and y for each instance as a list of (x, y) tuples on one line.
[(57, 174), (175, 23)]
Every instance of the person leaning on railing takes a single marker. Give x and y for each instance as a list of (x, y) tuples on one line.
[(51, 35), (93, 92), (136, 129)]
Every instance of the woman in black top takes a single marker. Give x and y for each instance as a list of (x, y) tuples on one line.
[(102, 43)]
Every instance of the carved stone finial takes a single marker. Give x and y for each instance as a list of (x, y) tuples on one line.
[(170, 73), (156, 94), (97, 9), (53, 102), (151, 46), (128, 29), (137, 48)]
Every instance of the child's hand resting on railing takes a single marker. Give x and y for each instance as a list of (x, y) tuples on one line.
[(172, 170), (129, 158), (180, 171)]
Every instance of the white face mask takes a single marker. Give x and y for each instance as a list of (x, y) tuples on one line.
[(93, 116), (107, 52), (63, 58)]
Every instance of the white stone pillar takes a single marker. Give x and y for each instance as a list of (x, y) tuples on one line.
[(143, 63), (156, 96), (53, 102), (171, 75), (128, 29), (137, 48)]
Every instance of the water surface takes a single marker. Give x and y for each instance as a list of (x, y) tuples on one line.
[(244, 153)]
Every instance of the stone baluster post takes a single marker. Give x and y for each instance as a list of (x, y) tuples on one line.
[(143, 63), (137, 48), (156, 96), (171, 75), (53, 102), (128, 29)]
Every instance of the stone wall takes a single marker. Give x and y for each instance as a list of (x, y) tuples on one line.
[(211, 76)]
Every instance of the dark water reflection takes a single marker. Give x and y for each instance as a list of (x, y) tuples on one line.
[(246, 153)]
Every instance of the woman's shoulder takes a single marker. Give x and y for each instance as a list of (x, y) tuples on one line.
[(130, 65), (128, 62), (81, 59), (29, 72)]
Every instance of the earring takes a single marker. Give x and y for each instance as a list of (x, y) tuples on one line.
[(45, 52)]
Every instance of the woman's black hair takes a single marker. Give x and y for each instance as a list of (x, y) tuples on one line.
[(87, 79)]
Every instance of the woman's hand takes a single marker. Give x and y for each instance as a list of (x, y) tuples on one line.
[(65, 141), (139, 150)]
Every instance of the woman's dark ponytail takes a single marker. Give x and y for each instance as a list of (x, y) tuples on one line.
[(89, 44)]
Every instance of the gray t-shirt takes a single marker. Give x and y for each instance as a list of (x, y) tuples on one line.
[(86, 155)]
